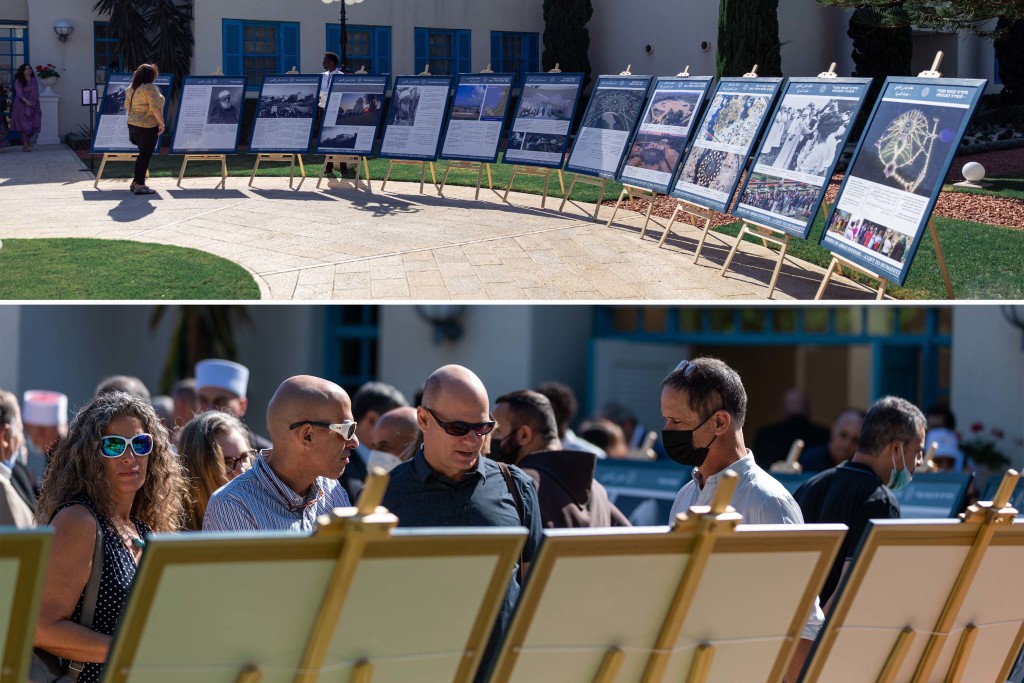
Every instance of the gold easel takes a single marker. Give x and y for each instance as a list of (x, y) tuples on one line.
[(222, 158), (537, 170), (262, 157), (836, 266), (477, 166), (930, 73), (115, 156), (698, 212), (791, 465), (359, 525), (710, 523), (347, 159), (412, 162)]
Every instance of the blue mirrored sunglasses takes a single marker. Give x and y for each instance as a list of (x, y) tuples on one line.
[(115, 446)]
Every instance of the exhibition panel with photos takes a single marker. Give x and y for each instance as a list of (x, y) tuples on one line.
[(608, 121), (209, 115), (476, 117), (285, 113), (539, 134), (111, 134), (793, 165), (416, 118), (352, 115), (887, 196), (660, 140)]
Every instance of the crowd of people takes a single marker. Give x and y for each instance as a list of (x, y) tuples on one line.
[(129, 464)]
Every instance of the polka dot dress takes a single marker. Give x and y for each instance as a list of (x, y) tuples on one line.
[(115, 583)]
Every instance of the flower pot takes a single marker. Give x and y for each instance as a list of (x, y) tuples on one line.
[(47, 83)]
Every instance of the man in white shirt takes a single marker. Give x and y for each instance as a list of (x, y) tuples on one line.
[(704, 405), (330, 68)]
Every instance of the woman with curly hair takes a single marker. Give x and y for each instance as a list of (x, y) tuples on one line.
[(115, 468), (214, 449)]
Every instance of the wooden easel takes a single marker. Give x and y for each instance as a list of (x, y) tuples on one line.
[(539, 171), (348, 159), (222, 158), (115, 156), (836, 260), (262, 157), (698, 212), (411, 162), (477, 166)]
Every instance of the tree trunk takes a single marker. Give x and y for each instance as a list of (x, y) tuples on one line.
[(566, 36), (748, 34)]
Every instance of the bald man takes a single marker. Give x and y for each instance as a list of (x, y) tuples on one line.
[(394, 433), (312, 430), (449, 483)]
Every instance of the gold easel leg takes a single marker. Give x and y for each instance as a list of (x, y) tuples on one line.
[(444, 181), (291, 172), (703, 237), (490, 179), (565, 195), (511, 180), (701, 664), (647, 218), (366, 168), (610, 665), (824, 281), (433, 176), (181, 173), (615, 209), (254, 169), (99, 174), (561, 181), (479, 180), (896, 657), (881, 289), (544, 197), (322, 167), (250, 674), (778, 266), (362, 672), (668, 228), (735, 248), (963, 654), (423, 175), (224, 171), (632, 202), (387, 174), (600, 198), (302, 167), (942, 258)]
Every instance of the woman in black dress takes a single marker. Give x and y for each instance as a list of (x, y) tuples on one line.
[(115, 467)]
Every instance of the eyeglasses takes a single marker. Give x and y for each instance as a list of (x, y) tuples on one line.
[(463, 428), (232, 463), (116, 446), (688, 367), (346, 429)]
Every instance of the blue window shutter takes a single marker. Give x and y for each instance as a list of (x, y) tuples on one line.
[(289, 47), (421, 50), (496, 51), (463, 51), (382, 50), (531, 46), (333, 38), (231, 46)]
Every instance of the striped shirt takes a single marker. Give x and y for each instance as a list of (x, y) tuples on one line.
[(257, 500)]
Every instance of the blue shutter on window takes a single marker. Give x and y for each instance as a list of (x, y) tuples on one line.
[(463, 52), (382, 50), (289, 47), (421, 49), (333, 38), (531, 46), (231, 47), (496, 52)]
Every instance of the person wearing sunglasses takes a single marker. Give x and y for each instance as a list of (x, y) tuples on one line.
[(449, 483), (289, 486), (113, 472), (704, 405), (214, 448)]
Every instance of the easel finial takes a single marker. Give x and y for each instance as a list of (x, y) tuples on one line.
[(685, 73), (752, 73), (934, 71), (831, 73), (556, 70), (487, 69), (426, 71), (294, 70), (362, 71), (628, 71), (218, 72)]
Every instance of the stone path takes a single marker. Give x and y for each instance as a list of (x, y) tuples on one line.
[(345, 243)]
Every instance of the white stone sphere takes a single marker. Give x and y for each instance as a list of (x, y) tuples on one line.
[(973, 171)]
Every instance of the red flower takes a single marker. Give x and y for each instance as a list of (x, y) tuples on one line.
[(977, 427), (998, 433)]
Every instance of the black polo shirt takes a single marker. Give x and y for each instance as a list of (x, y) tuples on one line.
[(849, 494), (421, 497)]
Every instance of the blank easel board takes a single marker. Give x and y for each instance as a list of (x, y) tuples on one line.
[(594, 590), (23, 556), (902, 575)]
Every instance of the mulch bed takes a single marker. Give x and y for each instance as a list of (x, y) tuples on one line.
[(1002, 211)]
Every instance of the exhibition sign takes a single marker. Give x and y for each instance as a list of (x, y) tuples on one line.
[(611, 115), (540, 130), (416, 118), (660, 140), (887, 196), (285, 113), (798, 154), (476, 117), (209, 115), (112, 117), (352, 115), (722, 143)]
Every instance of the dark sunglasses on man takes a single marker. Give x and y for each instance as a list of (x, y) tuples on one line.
[(347, 428), (456, 428)]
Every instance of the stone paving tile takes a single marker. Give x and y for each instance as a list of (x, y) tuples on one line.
[(504, 290), (429, 293), (389, 289), (543, 293), (424, 278)]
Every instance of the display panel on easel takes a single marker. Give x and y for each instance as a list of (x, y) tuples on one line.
[(209, 115), (608, 122), (285, 112), (539, 134), (657, 147), (476, 117), (722, 143), (798, 154), (416, 118), (112, 117), (887, 196), (352, 115)]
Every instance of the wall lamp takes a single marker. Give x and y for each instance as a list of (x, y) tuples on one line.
[(63, 29)]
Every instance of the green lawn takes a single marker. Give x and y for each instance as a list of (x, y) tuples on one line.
[(114, 269), (1011, 186)]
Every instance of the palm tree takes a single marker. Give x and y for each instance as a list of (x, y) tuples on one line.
[(199, 332), (157, 31)]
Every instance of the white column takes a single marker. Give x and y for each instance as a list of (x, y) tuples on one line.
[(48, 133)]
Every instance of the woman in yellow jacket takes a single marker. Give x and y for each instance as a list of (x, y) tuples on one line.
[(145, 105)]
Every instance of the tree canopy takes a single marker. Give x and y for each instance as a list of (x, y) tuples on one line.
[(947, 15)]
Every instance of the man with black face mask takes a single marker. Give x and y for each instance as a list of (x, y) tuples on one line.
[(704, 405), (527, 436)]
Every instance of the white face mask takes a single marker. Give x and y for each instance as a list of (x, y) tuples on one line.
[(383, 459)]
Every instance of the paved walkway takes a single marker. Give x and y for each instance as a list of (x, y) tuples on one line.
[(345, 243)]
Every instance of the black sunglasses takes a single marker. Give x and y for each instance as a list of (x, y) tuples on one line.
[(347, 428), (463, 428), (689, 367)]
